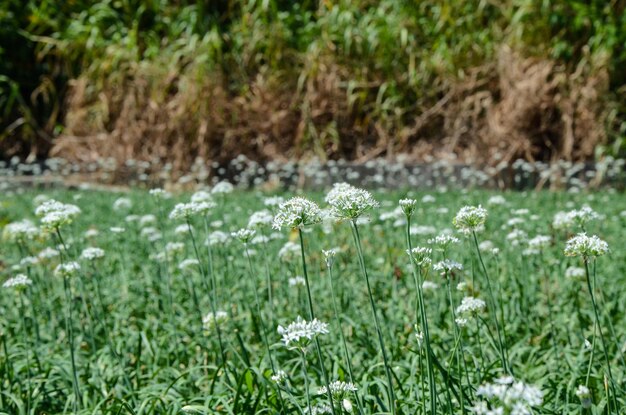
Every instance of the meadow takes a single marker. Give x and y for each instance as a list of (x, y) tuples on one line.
[(116, 304)]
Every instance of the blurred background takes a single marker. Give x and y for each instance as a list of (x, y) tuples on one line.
[(275, 80)]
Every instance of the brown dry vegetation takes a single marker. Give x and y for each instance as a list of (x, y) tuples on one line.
[(517, 107)]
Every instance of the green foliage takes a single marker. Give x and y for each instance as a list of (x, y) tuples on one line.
[(396, 58)]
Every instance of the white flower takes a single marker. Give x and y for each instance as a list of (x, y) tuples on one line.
[(174, 247), (514, 397), (56, 214), (539, 242), (279, 377), (496, 200), (447, 266), (122, 203), (517, 237), (289, 251), (92, 253), (160, 194), (586, 246), (273, 201), (329, 257), (260, 219), (21, 231), (67, 270), (428, 199), (188, 263), (91, 233), (429, 286), (575, 272), (217, 238), (244, 235), (211, 320), (222, 188), (48, 253), (201, 196), (19, 281), (584, 394), (338, 389), (147, 220), (29, 261), (301, 332), (421, 255), (181, 229), (117, 229), (470, 219), (349, 202), (443, 241), (297, 281), (408, 206), (470, 306), (297, 212)]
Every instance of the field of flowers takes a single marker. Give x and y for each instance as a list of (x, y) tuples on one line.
[(223, 301)]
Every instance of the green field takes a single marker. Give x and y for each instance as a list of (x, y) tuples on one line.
[(132, 321)]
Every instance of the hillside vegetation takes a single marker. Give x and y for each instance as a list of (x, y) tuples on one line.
[(336, 79)]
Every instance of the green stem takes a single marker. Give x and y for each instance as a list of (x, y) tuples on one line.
[(390, 391), (312, 316)]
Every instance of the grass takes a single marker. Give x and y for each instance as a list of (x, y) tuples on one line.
[(140, 345)]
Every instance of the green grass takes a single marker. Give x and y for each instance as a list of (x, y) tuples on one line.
[(144, 350)]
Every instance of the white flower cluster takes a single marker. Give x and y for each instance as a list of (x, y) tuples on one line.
[(160, 194), (273, 201), (408, 206), (442, 242), (508, 396), (575, 272), (297, 212), (420, 255), (289, 251), (584, 394), (469, 307), (565, 220), (222, 188), (201, 196), (586, 246), (349, 202), (92, 253), (297, 281), (301, 332), (122, 203), (329, 257), (55, 214), (447, 266), (21, 231), (67, 270), (470, 219), (279, 377), (188, 210), (211, 320), (217, 238), (188, 263), (244, 235), (19, 281), (338, 389), (260, 219)]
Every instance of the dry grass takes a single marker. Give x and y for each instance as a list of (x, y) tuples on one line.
[(515, 107)]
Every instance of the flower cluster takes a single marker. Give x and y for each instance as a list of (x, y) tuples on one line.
[(21, 231), (338, 389), (92, 253), (301, 332), (349, 202), (470, 219), (55, 214), (19, 281), (244, 235), (67, 270), (329, 257), (420, 255), (297, 212), (222, 188), (188, 210), (584, 394), (448, 266), (408, 206), (508, 396), (260, 219), (443, 242), (586, 246), (468, 308), (211, 320), (564, 220)]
